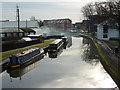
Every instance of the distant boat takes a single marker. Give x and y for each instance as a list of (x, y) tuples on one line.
[(16, 60)]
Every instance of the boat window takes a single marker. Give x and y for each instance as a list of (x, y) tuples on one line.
[(14, 60)]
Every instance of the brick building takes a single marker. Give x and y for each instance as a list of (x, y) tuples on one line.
[(58, 24)]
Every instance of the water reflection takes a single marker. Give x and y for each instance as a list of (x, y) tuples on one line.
[(69, 42), (19, 72), (90, 55)]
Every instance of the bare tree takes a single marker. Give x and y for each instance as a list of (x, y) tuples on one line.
[(88, 10)]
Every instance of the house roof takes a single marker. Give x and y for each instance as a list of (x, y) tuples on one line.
[(26, 51), (56, 21), (110, 22), (100, 20)]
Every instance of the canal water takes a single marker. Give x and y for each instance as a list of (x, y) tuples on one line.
[(77, 66)]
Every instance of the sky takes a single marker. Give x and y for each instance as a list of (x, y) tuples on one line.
[(44, 9)]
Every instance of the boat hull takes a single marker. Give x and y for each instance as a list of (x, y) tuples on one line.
[(37, 57)]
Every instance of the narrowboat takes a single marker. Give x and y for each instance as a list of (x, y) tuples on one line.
[(16, 60), (65, 42), (55, 46), (56, 54), (19, 72)]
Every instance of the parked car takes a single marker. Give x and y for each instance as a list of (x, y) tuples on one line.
[(73, 31), (83, 31)]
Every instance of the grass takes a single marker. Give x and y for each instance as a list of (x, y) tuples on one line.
[(6, 54), (101, 53), (113, 42), (106, 60), (90, 34)]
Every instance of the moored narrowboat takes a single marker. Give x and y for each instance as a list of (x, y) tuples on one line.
[(55, 46), (65, 42), (55, 54), (16, 60)]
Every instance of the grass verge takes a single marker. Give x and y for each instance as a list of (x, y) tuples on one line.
[(113, 42), (112, 69), (90, 34), (6, 54)]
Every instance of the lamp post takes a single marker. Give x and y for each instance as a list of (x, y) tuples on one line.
[(18, 18)]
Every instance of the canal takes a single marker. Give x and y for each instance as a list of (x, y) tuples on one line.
[(77, 66)]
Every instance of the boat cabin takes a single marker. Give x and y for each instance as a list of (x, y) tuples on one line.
[(56, 45), (22, 57)]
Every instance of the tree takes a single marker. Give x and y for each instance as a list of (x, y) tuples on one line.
[(40, 23), (88, 10)]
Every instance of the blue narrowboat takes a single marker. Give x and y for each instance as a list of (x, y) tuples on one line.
[(16, 60)]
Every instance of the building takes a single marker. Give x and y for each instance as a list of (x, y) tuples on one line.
[(78, 25), (73, 27), (84, 25), (32, 18), (11, 26), (92, 26), (58, 24), (106, 29)]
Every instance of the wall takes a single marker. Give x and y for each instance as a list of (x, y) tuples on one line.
[(112, 33)]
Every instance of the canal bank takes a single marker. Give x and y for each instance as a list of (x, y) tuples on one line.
[(108, 58)]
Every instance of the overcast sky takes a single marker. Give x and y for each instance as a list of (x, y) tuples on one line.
[(49, 9)]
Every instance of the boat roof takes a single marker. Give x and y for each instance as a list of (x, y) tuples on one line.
[(64, 37), (56, 41), (26, 52)]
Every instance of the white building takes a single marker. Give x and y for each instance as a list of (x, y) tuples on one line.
[(107, 30), (11, 26), (32, 18)]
